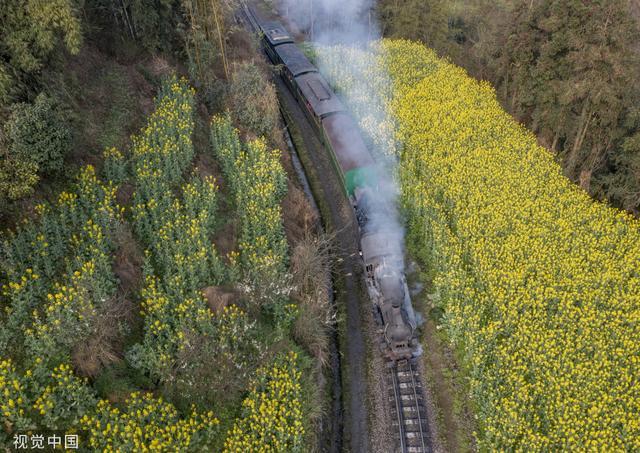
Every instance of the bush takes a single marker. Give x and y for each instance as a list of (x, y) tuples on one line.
[(310, 266), (147, 424), (17, 177), (45, 399), (271, 417), (45, 263), (115, 166), (213, 366), (39, 133), (252, 99), (257, 183)]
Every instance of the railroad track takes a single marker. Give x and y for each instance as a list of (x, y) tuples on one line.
[(407, 401)]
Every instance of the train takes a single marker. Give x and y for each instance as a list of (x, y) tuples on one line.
[(359, 174)]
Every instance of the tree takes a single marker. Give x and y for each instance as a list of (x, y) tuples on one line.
[(567, 70), (622, 183), (151, 23), (416, 19), (208, 20), (30, 31), (208, 26), (252, 99), (39, 133), (17, 177)]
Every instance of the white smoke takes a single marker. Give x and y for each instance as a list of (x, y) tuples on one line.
[(333, 21), (351, 23)]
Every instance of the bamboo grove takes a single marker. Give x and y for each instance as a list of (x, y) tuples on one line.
[(538, 283)]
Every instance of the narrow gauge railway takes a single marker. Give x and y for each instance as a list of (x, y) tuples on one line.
[(382, 262)]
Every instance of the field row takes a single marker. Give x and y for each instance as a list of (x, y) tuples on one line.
[(539, 284), (60, 280)]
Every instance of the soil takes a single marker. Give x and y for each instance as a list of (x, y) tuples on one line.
[(225, 238), (127, 264), (103, 117), (218, 297)]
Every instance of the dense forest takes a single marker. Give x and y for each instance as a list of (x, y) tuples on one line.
[(568, 70)]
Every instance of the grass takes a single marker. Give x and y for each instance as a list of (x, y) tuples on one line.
[(312, 176), (328, 223), (119, 114), (445, 380)]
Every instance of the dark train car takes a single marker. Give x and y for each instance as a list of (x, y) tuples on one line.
[(293, 64), (274, 35), (294, 61), (303, 78), (349, 153), (319, 100)]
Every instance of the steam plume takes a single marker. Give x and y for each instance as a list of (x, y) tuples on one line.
[(333, 21), (352, 23)]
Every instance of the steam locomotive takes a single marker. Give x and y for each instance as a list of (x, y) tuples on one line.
[(382, 260)]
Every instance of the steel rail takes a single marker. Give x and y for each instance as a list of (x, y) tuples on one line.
[(399, 409), (415, 396)]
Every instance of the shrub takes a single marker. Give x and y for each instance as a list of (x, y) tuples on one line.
[(213, 366), (17, 177), (147, 424), (258, 183), (271, 418), (51, 251), (115, 166), (64, 400), (310, 267), (252, 99), (180, 259), (42, 398), (39, 133)]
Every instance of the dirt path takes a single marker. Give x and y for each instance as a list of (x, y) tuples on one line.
[(338, 219)]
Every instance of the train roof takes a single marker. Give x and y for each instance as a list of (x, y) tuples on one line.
[(317, 92), (347, 143), (294, 59), (275, 33)]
